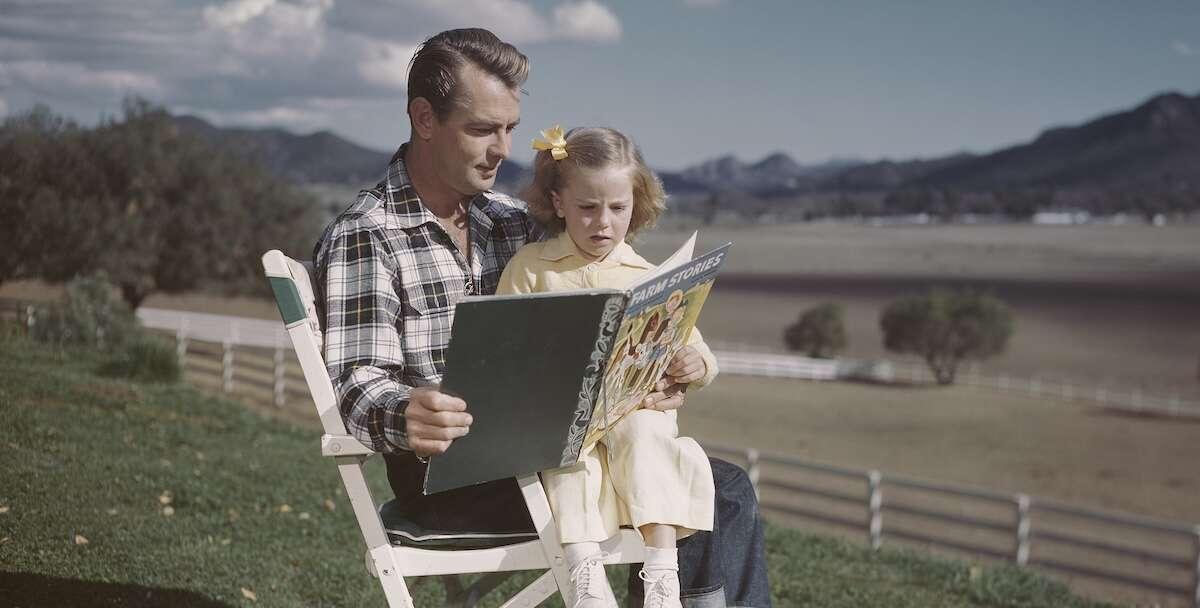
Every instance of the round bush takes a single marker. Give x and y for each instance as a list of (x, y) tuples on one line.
[(89, 313)]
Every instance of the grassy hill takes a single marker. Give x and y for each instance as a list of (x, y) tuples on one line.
[(115, 493)]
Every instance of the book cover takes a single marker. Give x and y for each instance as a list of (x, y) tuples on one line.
[(545, 374)]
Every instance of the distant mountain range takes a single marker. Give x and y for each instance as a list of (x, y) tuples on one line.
[(1155, 142)]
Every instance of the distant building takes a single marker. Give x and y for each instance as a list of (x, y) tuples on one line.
[(1062, 218)]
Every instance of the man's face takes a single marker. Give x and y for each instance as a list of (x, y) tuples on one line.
[(476, 134)]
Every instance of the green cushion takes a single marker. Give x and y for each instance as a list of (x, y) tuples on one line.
[(403, 532)]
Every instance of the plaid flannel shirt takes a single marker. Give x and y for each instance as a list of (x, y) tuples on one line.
[(388, 277)]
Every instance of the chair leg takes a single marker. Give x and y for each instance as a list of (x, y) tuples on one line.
[(543, 523), (534, 594), (393, 585)]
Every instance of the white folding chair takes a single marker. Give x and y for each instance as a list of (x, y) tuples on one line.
[(397, 548)]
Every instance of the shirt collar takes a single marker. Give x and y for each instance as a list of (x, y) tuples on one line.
[(562, 247), (404, 206)]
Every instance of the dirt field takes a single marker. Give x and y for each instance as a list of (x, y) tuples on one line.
[(1003, 442), (1108, 305)]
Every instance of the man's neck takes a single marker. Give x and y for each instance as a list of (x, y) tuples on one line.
[(441, 200)]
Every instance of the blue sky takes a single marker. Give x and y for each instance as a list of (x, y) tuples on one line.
[(688, 79)]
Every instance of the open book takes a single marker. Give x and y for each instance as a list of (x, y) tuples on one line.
[(545, 375)]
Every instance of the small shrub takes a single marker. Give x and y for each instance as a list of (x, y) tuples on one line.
[(820, 332), (89, 314), (146, 359)]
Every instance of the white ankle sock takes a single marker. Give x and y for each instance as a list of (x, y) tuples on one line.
[(661, 559), (577, 552)]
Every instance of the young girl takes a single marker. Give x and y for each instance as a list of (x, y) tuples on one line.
[(592, 191)]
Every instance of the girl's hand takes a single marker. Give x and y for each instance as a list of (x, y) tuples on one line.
[(667, 396), (686, 367)]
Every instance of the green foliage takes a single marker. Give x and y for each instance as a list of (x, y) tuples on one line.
[(145, 359), (156, 207), (820, 332), (946, 327), (88, 314)]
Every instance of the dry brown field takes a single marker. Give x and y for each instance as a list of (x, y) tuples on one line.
[(1115, 306), (1009, 443)]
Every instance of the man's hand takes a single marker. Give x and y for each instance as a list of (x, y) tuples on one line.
[(686, 366), (433, 420)]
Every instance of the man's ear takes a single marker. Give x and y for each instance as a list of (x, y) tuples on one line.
[(420, 111)]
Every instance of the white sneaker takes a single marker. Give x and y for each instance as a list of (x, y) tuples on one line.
[(662, 591), (589, 586)]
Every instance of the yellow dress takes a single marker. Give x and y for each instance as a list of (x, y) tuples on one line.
[(642, 471)]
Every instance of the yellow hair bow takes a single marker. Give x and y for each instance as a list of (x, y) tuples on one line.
[(555, 142)]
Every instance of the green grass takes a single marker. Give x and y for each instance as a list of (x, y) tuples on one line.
[(87, 457)]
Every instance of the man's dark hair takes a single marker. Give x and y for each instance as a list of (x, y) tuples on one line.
[(435, 67)]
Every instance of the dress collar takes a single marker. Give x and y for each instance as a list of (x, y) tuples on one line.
[(562, 247)]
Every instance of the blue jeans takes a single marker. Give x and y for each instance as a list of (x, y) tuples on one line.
[(728, 566)]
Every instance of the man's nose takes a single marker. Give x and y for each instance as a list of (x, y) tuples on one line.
[(501, 146)]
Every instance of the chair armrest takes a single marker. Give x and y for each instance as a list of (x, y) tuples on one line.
[(343, 445)]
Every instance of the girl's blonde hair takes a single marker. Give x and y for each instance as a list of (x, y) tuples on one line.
[(593, 148)]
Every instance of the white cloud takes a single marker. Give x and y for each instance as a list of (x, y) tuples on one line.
[(518, 22), (387, 65), (586, 20), (1183, 48), (295, 63), (68, 78), (304, 119), (236, 12)]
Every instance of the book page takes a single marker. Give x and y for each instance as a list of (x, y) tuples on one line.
[(658, 321)]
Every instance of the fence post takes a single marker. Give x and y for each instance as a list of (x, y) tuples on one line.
[(181, 346), (1021, 554), (874, 509), (752, 470), (1196, 568), (279, 369), (30, 315), (227, 367)]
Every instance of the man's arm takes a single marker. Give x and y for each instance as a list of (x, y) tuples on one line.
[(363, 346), (365, 357)]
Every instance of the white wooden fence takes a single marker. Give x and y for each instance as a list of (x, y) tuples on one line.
[(1149, 554), (1144, 553)]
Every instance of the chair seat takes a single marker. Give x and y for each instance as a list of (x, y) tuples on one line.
[(404, 532)]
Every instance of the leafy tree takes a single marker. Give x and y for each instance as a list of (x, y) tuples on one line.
[(946, 327), (155, 207), (820, 332)]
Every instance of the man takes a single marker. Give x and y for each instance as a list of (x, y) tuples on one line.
[(390, 270)]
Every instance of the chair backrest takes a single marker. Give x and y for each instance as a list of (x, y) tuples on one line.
[(295, 296)]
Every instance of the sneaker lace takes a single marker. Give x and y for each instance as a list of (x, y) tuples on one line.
[(588, 578), (659, 591)]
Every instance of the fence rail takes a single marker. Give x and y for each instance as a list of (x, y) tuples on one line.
[(1023, 535)]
